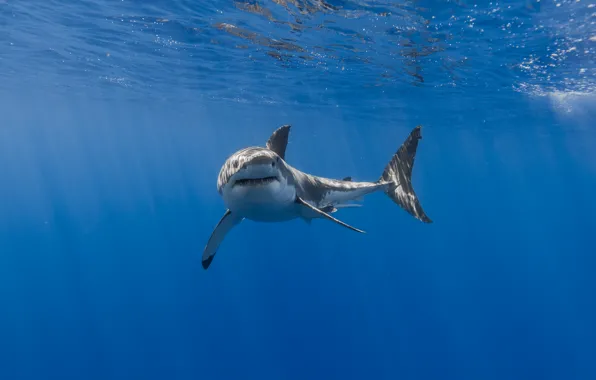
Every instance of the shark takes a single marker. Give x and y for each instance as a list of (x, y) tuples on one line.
[(257, 183)]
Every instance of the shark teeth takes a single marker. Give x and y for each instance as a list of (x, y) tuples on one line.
[(254, 181)]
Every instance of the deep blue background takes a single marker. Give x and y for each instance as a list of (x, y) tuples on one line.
[(107, 197)]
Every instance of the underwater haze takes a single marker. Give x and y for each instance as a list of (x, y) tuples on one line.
[(116, 117)]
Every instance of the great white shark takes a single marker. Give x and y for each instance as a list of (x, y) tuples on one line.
[(256, 183)]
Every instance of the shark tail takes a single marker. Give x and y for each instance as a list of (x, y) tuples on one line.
[(398, 175)]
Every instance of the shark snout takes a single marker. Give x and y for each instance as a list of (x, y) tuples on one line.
[(262, 161), (265, 171)]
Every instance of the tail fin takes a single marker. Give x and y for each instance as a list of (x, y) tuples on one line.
[(399, 172)]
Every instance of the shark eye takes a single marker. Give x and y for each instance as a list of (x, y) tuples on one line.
[(273, 163)]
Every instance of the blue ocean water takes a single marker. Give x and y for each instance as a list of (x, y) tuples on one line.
[(116, 117)]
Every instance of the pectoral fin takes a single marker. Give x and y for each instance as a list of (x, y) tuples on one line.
[(325, 215), (226, 223)]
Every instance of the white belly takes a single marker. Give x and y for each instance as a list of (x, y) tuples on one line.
[(271, 202)]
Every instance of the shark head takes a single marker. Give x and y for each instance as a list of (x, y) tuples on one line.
[(256, 181)]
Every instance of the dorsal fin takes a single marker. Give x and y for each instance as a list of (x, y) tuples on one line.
[(279, 140), (347, 179)]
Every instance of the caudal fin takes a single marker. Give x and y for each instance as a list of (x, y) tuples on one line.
[(399, 172)]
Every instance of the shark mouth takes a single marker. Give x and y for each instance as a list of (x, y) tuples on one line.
[(255, 181)]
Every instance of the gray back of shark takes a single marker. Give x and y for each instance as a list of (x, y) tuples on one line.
[(319, 197)]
